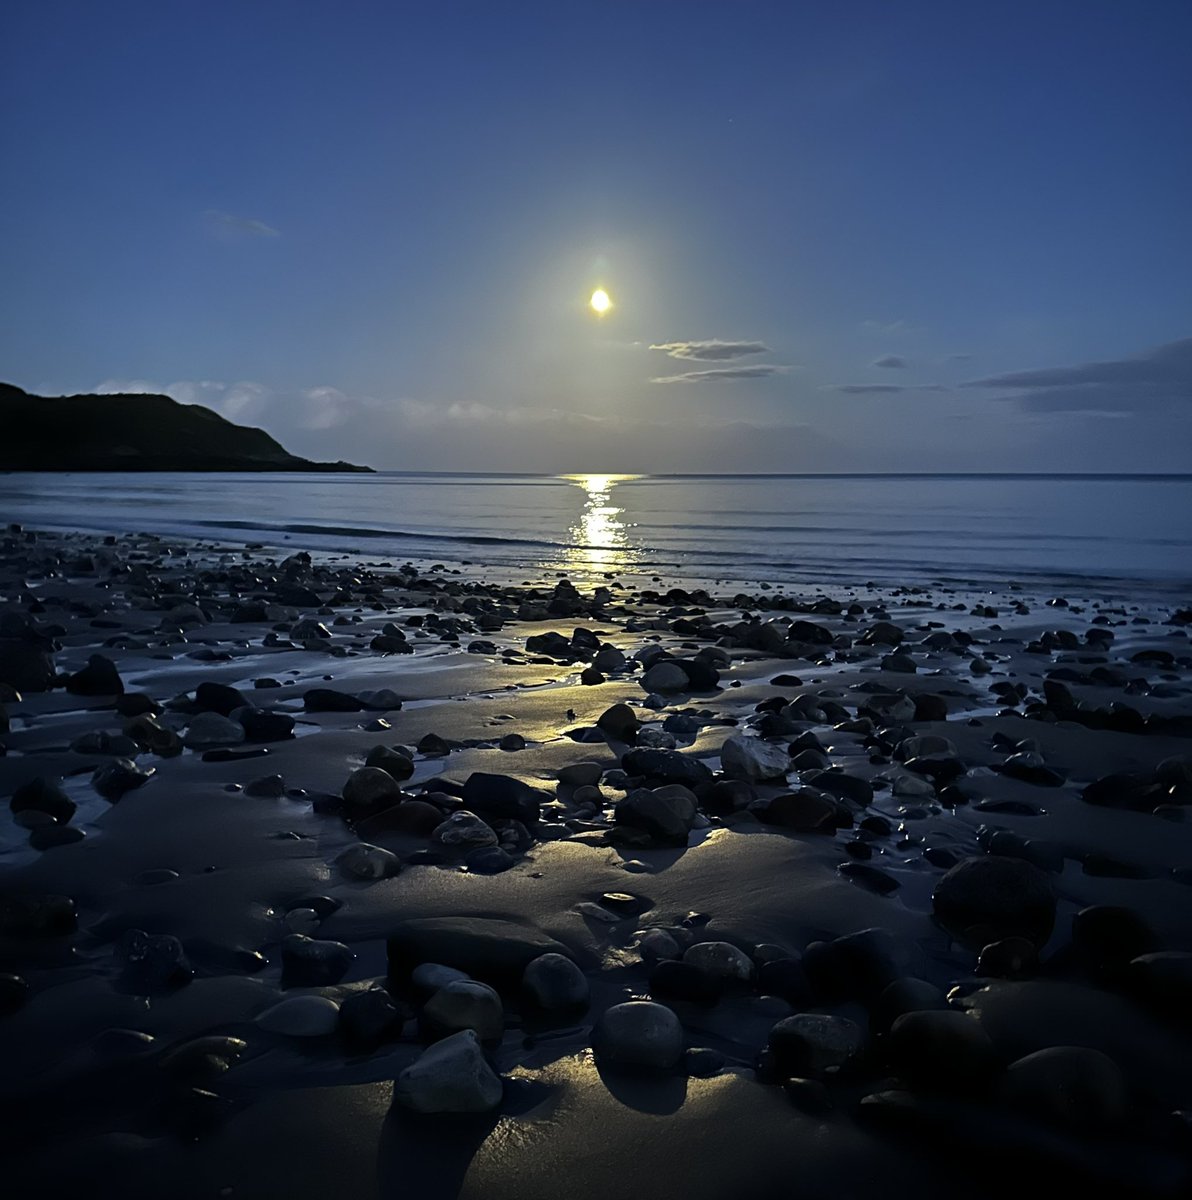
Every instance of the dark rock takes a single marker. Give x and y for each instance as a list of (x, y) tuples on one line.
[(856, 966), (666, 766), (786, 979), (1011, 958), (268, 787), (666, 814), (368, 1018), (50, 837), (152, 961), (116, 779), (982, 900), (489, 860), (1074, 1088), (310, 962), (261, 725), (1124, 791), (930, 707), (946, 1050), (370, 788), (503, 796), (872, 879), (670, 980), (553, 983), (811, 1044), (26, 664), (619, 722), (98, 678), (485, 947), (638, 1036), (845, 787), (43, 795), (1106, 937), (219, 698), (905, 995), (806, 811), (37, 916), (1164, 980)]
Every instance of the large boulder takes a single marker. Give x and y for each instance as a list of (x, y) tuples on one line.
[(983, 900)]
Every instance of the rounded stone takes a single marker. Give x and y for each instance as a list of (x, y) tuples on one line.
[(370, 787), (812, 1043), (983, 900), (944, 1049), (429, 977), (464, 829), (552, 983), (638, 1035), (1074, 1087), (366, 862), (465, 1004), (721, 960), (301, 1016)]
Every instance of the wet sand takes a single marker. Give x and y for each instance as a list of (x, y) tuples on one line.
[(139, 1064)]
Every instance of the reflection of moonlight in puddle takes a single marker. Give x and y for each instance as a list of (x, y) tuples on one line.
[(599, 538)]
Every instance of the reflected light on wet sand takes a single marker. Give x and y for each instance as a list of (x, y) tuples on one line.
[(599, 537)]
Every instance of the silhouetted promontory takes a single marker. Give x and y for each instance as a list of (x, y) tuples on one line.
[(134, 432)]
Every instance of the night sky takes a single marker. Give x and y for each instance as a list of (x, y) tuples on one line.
[(846, 236)]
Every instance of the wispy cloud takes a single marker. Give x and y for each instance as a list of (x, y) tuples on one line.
[(890, 328), (883, 389), (870, 389), (711, 350), (245, 401), (891, 360), (1154, 379), (227, 224), (758, 372)]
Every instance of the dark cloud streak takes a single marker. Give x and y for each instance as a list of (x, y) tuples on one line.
[(1154, 379)]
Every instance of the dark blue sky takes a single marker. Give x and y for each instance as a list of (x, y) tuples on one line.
[(373, 228)]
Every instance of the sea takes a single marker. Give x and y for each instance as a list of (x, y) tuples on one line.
[(1115, 532)]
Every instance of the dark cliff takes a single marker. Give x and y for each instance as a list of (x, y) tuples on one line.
[(134, 433)]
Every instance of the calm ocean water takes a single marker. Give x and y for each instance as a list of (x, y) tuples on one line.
[(797, 529)]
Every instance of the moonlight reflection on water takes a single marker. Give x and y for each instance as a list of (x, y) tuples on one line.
[(599, 537)]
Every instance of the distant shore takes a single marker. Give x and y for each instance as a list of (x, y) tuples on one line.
[(906, 869)]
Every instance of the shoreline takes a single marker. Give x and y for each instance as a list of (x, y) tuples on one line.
[(169, 1069)]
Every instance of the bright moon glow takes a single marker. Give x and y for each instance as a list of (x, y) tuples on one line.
[(600, 302)]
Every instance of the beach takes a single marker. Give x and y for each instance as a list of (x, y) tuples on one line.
[(893, 878)]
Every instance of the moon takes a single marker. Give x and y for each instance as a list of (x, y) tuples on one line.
[(600, 302)]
